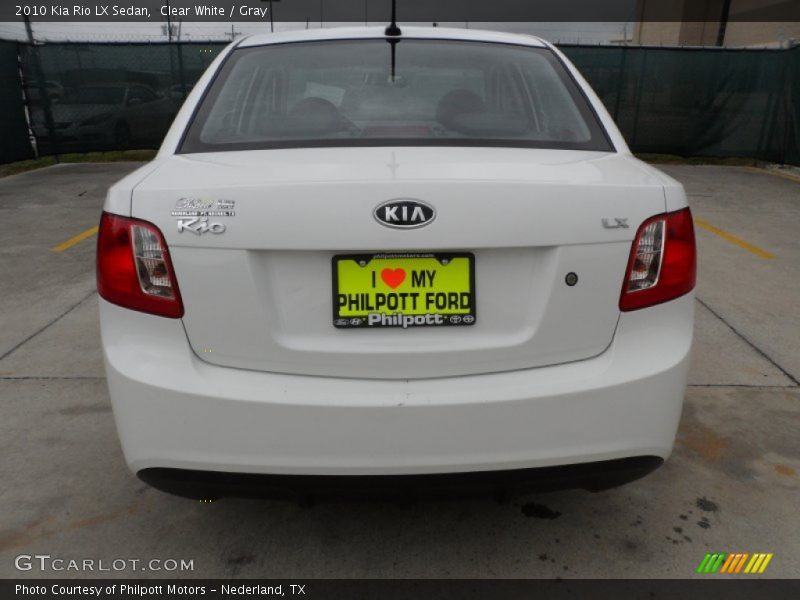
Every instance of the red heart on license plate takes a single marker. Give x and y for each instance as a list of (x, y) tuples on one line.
[(393, 277)]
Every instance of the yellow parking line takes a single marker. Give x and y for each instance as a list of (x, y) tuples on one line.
[(760, 252), (775, 173), (75, 240)]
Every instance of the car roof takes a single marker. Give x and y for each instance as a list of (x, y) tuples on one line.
[(349, 33)]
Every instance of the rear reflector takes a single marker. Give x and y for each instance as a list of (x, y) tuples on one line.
[(134, 269), (663, 261)]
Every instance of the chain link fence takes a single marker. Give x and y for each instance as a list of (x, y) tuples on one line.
[(107, 96), (700, 101), (14, 141), (683, 101)]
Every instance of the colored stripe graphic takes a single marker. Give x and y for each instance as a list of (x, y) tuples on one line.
[(721, 562), (764, 564), (752, 562), (729, 562), (757, 566), (718, 563), (741, 562), (703, 563), (711, 563)]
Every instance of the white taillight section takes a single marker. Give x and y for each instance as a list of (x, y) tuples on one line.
[(134, 268), (151, 265), (663, 261), (648, 255)]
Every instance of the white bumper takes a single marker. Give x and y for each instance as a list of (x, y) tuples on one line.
[(174, 410)]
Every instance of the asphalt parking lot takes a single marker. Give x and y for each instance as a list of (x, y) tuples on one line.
[(732, 484)]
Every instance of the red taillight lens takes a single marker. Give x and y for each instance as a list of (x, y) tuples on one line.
[(134, 269), (663, 261)]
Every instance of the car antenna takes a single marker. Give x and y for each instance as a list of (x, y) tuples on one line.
[(393, 34), (393, 30)]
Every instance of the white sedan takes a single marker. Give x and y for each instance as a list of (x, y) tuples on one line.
[(365, 261)]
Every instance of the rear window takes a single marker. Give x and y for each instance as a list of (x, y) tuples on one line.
[(411, 92)]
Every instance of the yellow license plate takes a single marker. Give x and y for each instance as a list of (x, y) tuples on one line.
[(403, 290)]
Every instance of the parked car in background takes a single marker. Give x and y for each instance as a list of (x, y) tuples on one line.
[(178, 92), (364, 260), (53, 89), (101, 116)]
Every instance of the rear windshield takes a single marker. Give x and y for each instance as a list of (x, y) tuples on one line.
[(410, 92)]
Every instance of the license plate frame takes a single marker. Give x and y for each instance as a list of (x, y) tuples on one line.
[(463, 316)]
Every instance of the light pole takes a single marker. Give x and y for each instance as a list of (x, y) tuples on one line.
[(44, 97)]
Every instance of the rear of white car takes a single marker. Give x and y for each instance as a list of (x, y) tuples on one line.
[(362, 260)]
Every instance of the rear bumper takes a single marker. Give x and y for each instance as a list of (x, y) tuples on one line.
[(175, 411), (204, 485)]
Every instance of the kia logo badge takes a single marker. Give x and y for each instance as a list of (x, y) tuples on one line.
[(404, 213)]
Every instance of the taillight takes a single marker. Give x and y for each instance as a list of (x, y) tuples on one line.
[(663, 261), (134, 269)]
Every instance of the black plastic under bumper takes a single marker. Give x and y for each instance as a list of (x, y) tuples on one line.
[(595, 476)]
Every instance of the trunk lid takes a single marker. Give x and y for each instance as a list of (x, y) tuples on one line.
[(259, 295)]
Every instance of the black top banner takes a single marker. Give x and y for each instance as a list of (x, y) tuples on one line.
[(408, 11)]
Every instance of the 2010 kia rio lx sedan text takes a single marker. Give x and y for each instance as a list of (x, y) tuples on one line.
[(365, 261)]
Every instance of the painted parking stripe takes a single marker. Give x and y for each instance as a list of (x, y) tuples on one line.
[(75, 240), (729, 237), (775, 173)]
